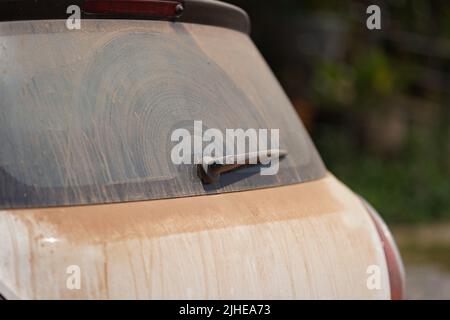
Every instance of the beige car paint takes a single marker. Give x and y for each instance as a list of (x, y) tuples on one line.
[(305, 241)]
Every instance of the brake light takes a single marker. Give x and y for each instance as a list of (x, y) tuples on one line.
[(393, 258), (154, 8)]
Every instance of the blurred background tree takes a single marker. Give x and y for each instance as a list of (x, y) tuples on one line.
[(374, 101)]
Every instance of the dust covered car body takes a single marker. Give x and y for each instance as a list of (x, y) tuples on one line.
[(92, 204)]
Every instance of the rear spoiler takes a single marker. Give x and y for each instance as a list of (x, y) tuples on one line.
[(208, 12)]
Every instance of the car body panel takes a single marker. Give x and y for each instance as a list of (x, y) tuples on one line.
[(313, 240)]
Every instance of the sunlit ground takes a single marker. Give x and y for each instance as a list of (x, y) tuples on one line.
[(426, 254)]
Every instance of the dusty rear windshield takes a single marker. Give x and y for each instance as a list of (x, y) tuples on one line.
[(87, 116)]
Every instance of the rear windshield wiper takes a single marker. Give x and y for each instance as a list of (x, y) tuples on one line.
[(210, 169)]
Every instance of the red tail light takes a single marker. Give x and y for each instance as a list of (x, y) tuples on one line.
[(155, 8), (393, 259)]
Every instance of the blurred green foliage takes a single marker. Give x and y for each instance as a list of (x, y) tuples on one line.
[(378, 101), (413, 187)]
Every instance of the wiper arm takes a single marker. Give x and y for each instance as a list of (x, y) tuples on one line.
[(210, 169)]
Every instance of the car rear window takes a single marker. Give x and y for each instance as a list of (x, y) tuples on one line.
[(86, 116)]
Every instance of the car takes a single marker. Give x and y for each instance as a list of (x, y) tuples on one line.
[(93, 203)]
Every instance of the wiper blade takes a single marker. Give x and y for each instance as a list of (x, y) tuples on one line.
[(210, 169)]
